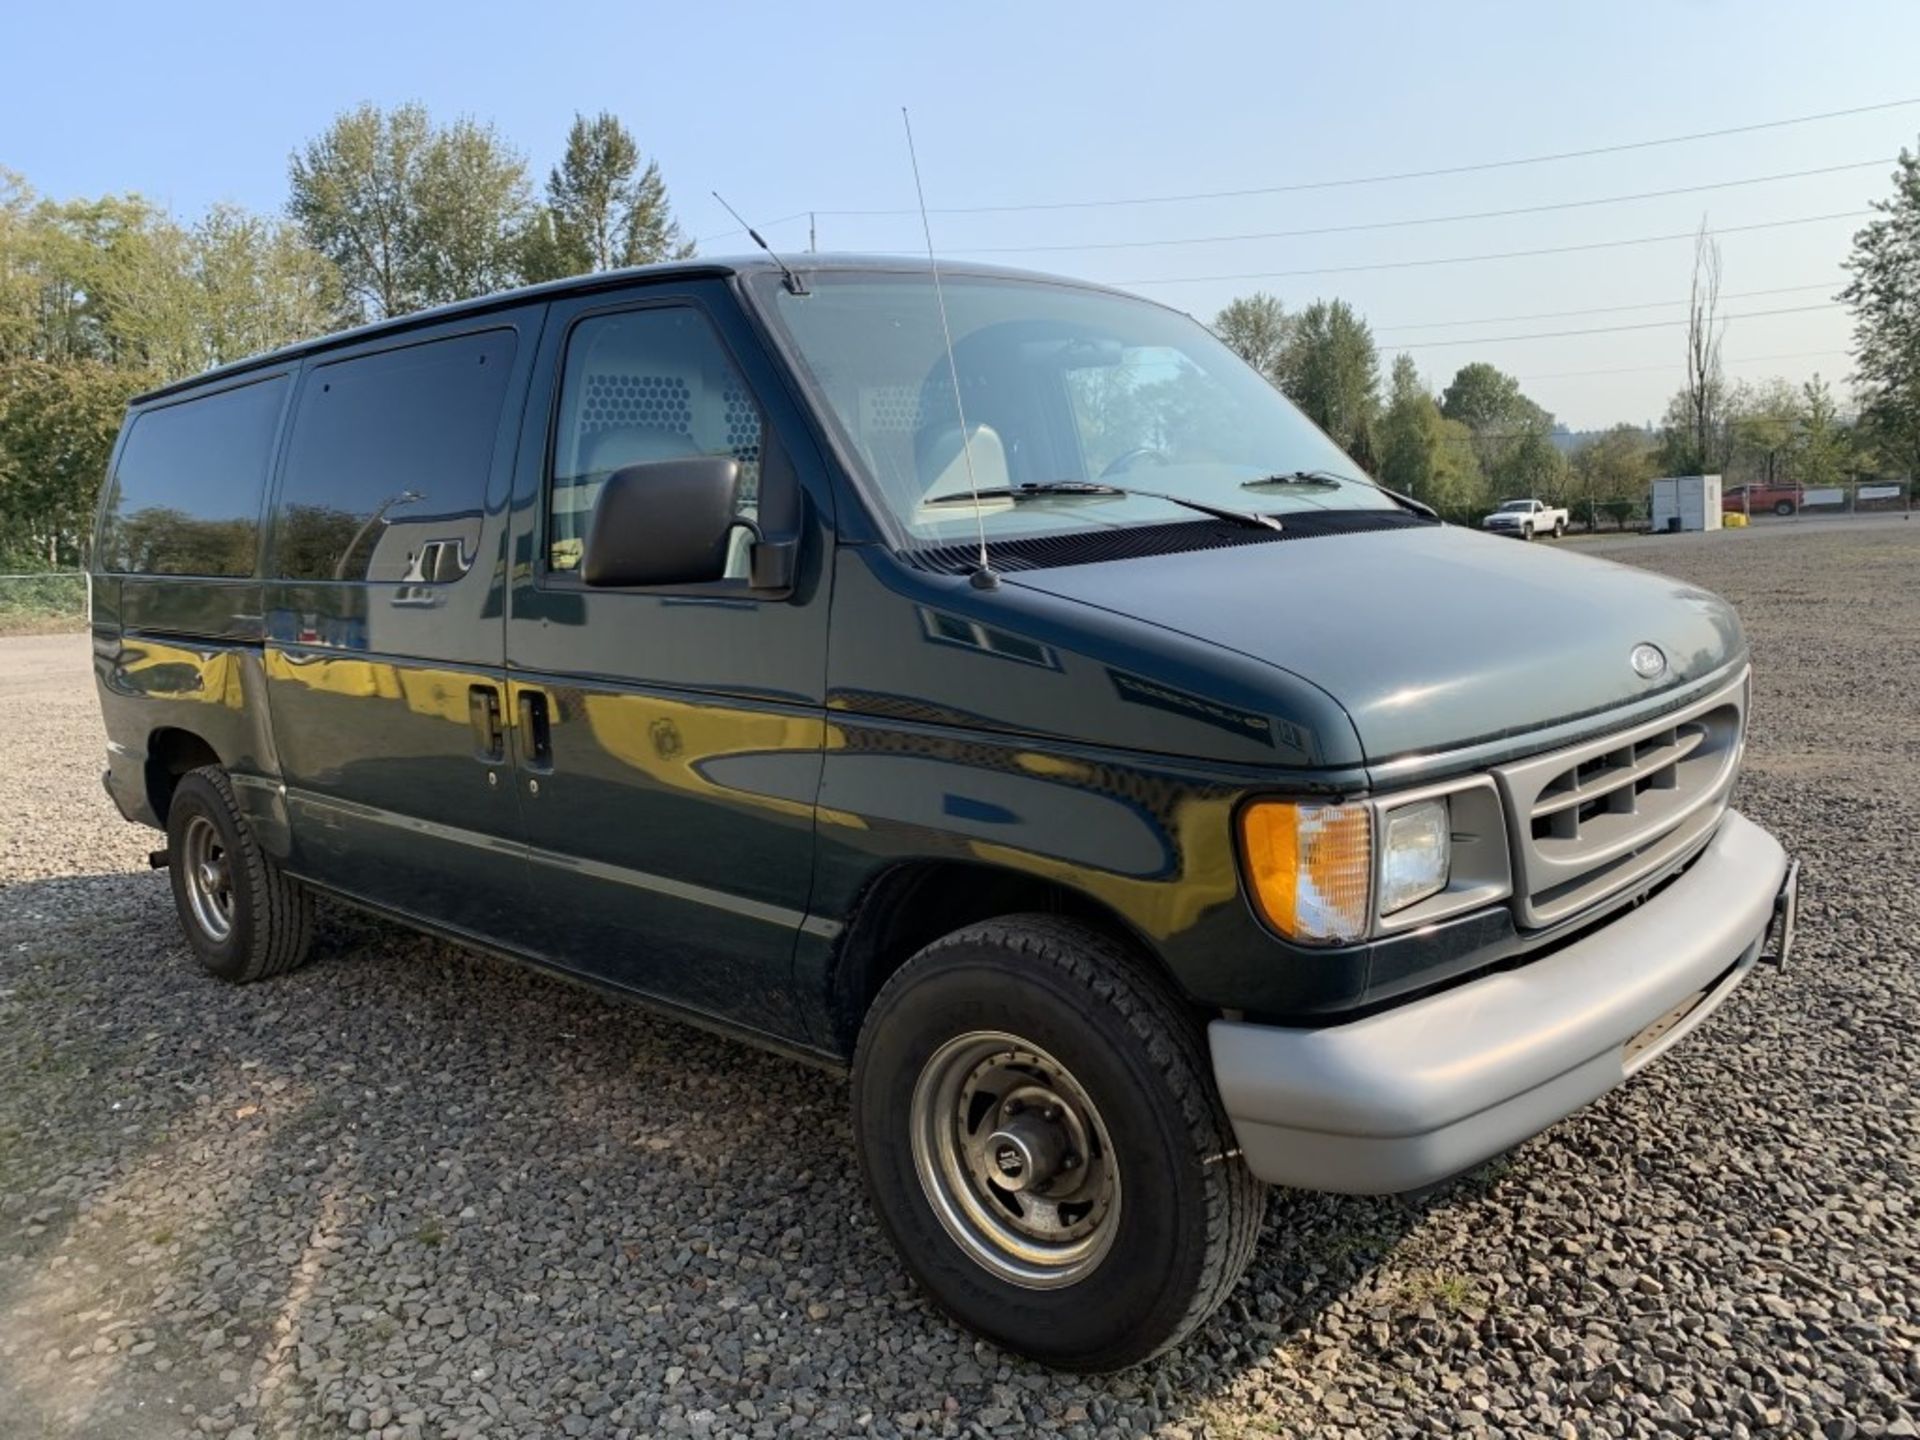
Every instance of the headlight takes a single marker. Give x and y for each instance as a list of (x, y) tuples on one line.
[(1322, 873), (1416, 854), (1310, 868)]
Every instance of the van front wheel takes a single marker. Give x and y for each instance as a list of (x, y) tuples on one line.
[(1038, 1127), (243, 917)]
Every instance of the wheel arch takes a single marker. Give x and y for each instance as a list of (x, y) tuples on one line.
[(173, 751), (912, 903)]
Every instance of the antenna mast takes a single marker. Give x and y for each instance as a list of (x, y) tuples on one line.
[(984, 578), (795, 285)]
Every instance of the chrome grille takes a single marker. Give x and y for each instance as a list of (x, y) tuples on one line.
[(1590, 820)]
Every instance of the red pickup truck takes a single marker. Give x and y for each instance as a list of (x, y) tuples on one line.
[(1758, 499)]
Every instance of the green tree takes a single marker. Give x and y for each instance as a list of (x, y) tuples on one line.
[(1762, 421), (1610, 475), (1424, 454), (58, 419), (1511, 434), (604, 209), (1822, 447), (1885, 295), (410, 214), (1331, 370), (1483, 397), (1257, 328)]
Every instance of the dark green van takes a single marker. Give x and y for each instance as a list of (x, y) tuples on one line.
[(1056, 730)]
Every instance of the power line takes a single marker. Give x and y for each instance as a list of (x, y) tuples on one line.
[(1645, 369), (1490, 255), (1423, 219), (1597, 309), (1611, 329), (1383, 179)]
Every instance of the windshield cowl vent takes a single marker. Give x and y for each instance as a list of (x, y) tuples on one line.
[(1091, 547)]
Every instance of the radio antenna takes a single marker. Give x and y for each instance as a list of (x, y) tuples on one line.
[(795, 285), (983, 578)]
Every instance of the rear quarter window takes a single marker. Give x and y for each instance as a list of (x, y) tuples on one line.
[(185, 497)]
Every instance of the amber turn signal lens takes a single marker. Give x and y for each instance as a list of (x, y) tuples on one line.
[(1310, 868)]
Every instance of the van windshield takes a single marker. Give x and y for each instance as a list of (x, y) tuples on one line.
[(1062, 387)]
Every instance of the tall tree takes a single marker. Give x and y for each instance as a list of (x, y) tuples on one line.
[(410, 214), (1705, 389), (1510, 432), (1331, 370), (604, 209), (1256, 328), (1424, 454), (1885, 295)]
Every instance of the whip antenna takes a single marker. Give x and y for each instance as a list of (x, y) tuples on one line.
[(984, 578), (795, 285)]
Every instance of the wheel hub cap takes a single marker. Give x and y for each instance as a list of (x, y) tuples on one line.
[(209, 880), (1015, 1159)]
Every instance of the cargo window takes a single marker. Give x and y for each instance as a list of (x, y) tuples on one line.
[(642, 385), (387, 471), (186, 492)]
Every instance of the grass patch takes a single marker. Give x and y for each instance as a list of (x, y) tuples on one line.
[(1448, 1291)]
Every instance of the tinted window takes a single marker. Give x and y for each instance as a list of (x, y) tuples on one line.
[(386, 475), (644, 385), (186, 493)]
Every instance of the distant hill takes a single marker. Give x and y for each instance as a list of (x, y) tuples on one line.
[(1567, 441)]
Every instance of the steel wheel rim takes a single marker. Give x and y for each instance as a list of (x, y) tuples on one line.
[(1015, 1160), (208, 877)]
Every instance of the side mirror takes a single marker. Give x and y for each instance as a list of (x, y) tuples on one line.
[(663, 522)]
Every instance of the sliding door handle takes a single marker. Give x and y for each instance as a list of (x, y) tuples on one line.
[(536, 730), (483, 713)]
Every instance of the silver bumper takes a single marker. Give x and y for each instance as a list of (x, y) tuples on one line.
[(1410, 1096)]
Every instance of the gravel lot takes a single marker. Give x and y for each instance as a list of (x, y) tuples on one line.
[(413, 1191)]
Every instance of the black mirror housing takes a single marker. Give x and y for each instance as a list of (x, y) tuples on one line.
[(663, 522)]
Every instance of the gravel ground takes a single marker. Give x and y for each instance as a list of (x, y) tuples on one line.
[(417, 1192)]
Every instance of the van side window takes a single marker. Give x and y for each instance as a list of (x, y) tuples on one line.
[(645, 385), (186, 493), (387, 470)]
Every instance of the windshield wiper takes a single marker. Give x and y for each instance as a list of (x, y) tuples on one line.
[(1326, 478), (1101, 487)]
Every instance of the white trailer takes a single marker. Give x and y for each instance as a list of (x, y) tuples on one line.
[(1685, 502)]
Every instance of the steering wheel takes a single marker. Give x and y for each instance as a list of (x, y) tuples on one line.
[(1127, 459)]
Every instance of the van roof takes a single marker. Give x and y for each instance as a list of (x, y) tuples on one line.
[(586, 284)]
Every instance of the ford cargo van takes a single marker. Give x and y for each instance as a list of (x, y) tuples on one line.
[(1057, 731)]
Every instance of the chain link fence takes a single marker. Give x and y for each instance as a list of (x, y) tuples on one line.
[(42, 602), (1863, 497)]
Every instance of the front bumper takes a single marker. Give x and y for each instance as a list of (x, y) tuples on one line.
[(1410, 1096)]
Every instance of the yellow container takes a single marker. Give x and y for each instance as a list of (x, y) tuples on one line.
[(1733, 521)]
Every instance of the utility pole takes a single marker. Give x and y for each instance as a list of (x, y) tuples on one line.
[(811, 237)]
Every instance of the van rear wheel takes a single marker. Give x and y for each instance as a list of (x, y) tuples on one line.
[(1037, 1123), (244, 917)]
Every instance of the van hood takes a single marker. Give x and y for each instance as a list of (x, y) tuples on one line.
[(1431, 637)]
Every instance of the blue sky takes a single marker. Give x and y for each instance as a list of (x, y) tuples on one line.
[(785, 109)]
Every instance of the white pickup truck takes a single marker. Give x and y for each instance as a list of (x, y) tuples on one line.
[(1526, 518)]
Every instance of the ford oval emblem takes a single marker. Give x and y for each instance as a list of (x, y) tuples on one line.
[(1647, 661)]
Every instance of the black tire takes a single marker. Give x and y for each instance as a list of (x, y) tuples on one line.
[(270, 916), (1559, 529), (1188, 1211), (1783, 507), (1526, 533)]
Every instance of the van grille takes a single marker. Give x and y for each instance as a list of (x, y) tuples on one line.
[(1590, 820)]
